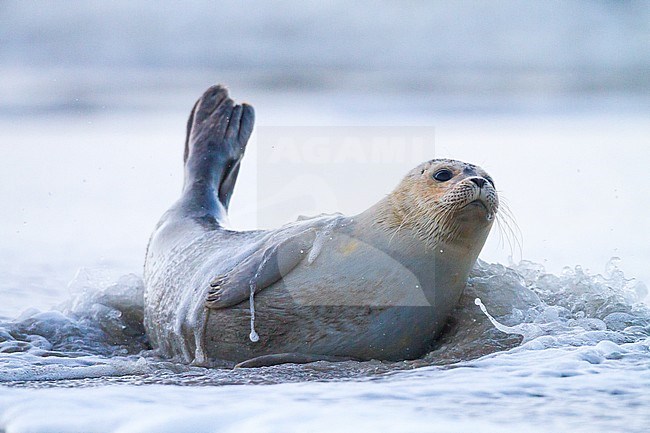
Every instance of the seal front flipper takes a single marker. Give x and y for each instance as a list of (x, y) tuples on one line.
[(260, 270)]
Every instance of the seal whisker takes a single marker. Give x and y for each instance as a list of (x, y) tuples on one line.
[(405, 219), (509, 229)]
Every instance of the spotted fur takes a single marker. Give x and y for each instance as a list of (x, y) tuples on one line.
[(430, 208)]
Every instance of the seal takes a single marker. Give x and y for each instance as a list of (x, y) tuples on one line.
[(378, 285)]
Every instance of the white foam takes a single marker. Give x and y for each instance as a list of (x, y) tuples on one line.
[(527, 330), (585, 345), (524, 390)]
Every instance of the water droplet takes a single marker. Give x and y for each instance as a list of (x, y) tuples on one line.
[(253, 335)]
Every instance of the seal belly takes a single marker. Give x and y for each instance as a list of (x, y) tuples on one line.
[(368, 304)]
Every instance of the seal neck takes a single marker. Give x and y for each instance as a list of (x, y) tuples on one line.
[(388, 223), (379, 225)]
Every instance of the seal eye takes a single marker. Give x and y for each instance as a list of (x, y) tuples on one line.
[(443, 175)]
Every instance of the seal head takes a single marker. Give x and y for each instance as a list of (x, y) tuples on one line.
[(442, 201)]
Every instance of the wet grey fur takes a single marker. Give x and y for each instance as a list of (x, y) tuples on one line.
[(367, 294)]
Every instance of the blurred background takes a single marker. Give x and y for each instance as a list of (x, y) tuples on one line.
[(89, 55), (552, 98)]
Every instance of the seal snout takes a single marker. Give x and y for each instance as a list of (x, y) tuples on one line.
[(479, 181), (480, 196)]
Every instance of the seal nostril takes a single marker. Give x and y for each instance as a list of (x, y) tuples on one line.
[(479, 181)]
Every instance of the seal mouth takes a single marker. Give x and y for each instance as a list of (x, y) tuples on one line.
[(477, 202), (480, 206)]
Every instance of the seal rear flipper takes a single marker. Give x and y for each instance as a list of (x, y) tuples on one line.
[(260, 270), (289, 358), (217, 133)]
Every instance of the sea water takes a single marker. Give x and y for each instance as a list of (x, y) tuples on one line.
[(558, 352), (566, 345)]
